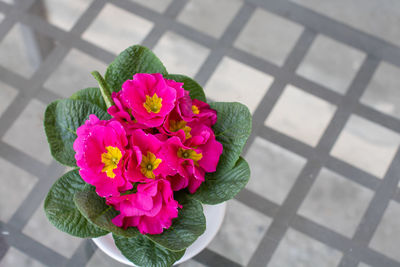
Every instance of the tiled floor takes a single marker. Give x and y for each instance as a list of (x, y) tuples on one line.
[(321, 79)]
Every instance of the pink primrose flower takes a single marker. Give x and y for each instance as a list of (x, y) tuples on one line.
[(123, 114), (149, 98), (151, 209), (176, 125), (193, 158), (146, 163), (204, 140), (100, 153), (202, 113)]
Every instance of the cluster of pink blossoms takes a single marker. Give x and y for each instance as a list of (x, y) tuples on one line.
[(158, 141)]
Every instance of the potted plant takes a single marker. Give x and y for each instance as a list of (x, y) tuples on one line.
[(149, 153)]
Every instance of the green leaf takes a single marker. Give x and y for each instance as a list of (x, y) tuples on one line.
[(135, 59), (185, 229), (221, 186), (61, 210), (95, 209), (92, 95), (232, 130), (61, 119), (105, 91), (143, 252), (195, 90)]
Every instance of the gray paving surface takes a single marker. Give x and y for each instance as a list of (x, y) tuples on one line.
[(321, 78)]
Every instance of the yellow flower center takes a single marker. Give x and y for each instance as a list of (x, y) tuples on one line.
[(149, 164), (111, 159), (175, 126), (195, 109), (153, 104), (190, 154)]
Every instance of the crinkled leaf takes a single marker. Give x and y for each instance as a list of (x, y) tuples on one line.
[(221, 186), (61, 210), (232, 130), (61, 119), (92, 95), (135, 59), (95, 209), (143, 252), (195, 90), (185, 229)]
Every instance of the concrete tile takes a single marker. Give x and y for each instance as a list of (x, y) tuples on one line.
[(191, 263), (333, 70), (301, 115), (218, 15), (273, 170), (269, 36), (180, 55), (73, 74), (157, 5), (326, 201), (235, 81), (15, 54), (297, 249), (17, 184), (16, 258), (387, 234), (100, 259), (109, 33), (240, 233), (383, 92), (366, 145), (65, 13), (30, 119), (40, 229), (7, 95), (372, 16)]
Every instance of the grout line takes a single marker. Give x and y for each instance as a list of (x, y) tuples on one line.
[(339, 31), (22, 160), (158, 30), (31, 247), (82, 254), (211, 258), (225, 43), (308, 175), (377, 206), (378, 117), (30, 89), (258, 203), (277, 87), (35, 197), (314, 23)]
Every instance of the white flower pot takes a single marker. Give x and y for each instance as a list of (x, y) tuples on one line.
[(214, 216)]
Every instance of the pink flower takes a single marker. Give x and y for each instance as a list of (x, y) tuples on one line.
[(184, 106), (151, 209), (176, 125), (122, 113), (182, 159), (180, 92), (148, 97), (202, 113), (195, 113), (204, 140), (100, 153), (146, 163), (191, 160)]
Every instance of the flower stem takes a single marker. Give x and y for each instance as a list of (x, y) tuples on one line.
[(104, 89)]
